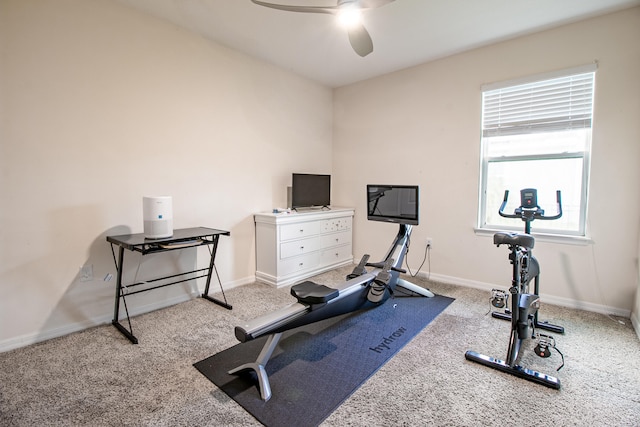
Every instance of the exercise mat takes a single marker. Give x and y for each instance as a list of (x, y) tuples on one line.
[(316, 367)]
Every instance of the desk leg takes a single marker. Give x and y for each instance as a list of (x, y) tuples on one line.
[(212, 268), (116, 310)]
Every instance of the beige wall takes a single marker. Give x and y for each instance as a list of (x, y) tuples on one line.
[(101, 105), (422, 126)]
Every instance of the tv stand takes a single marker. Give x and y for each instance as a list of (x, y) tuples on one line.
[(292, 247)]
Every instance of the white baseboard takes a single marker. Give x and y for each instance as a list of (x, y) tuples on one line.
[(563, 302), (106, 318), (47, 334), (636, 324)]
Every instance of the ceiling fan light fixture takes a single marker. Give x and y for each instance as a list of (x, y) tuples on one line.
[(349, 17)]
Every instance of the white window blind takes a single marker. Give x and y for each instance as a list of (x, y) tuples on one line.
[(536, 133), (556, 104)]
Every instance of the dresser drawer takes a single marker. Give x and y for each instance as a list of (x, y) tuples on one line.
[(336, 224), (334, 255), (295, 264), (299, 247), (300, 230), (335, 239)]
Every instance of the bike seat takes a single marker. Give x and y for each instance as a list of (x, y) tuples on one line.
[(517, 239), (312, 293)]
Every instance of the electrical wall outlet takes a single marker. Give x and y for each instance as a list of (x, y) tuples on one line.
[(429, 242), (86, 273)]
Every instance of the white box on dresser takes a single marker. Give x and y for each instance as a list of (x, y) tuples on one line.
[(293, 246)]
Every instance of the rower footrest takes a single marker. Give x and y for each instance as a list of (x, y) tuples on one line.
[(312, 293)]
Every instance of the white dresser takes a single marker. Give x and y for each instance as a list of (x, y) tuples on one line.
[(292, 247)]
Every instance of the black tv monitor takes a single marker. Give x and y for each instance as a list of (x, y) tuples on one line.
[(398, 204), (310, 190)]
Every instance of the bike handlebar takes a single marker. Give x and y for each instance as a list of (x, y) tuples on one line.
[(558, 206), (504, 204), (526, 213)]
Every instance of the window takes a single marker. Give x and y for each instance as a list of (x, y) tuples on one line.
[(537, 134)]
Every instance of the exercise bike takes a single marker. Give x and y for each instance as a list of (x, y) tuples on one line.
[(527, 212), (524, 305)]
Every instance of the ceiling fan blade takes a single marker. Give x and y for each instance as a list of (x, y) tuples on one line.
[(360, 40), (292, 8), (358, 35)]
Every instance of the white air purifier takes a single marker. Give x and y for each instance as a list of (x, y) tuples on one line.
[(157, 213)]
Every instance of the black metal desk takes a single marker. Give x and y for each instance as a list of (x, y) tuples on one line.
[(181, 239)]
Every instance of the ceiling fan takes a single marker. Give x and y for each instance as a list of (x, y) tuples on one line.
[(358, 35)]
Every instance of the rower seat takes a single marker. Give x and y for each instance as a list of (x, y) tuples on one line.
[(312, 293)]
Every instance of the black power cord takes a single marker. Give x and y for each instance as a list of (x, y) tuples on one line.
[(427, 255)]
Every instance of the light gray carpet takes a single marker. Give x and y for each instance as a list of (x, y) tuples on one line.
[(98, 378)]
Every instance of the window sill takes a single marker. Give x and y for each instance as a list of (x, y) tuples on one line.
[(541, 237)]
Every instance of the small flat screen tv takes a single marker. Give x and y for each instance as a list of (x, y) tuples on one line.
[(398, 204), (310, 190)]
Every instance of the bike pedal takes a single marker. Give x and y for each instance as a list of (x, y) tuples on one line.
[(544, 344), (499, 298)]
